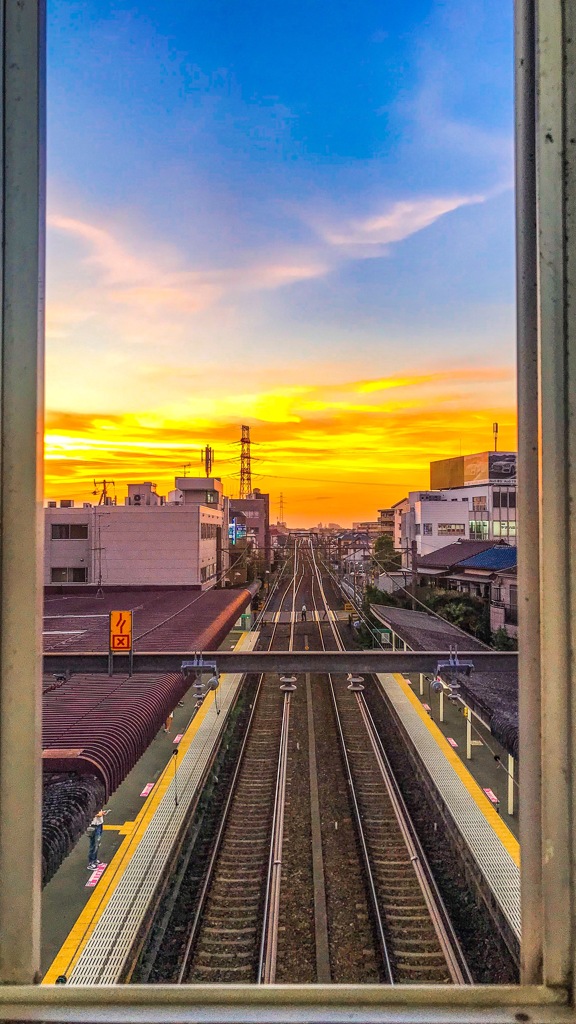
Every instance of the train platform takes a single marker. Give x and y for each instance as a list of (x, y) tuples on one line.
[(491, 842), (478, 749), (90, 919)]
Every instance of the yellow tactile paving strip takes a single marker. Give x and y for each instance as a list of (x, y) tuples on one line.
[(504, 834), (72, 948)]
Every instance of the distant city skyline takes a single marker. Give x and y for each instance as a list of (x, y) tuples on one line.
[(294, 216)]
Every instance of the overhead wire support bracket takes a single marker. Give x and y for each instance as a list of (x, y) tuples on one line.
[(453, 666)]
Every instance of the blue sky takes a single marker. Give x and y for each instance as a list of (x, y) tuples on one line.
[(248, 198)]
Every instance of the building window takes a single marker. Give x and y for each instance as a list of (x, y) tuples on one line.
[(479, 503), (69, 575), (211, 497), (69, 531), (445, 529), (417, 529), (496, 594), (478, 529), (502, 528), (511, 499), (496, 499), (427, 529)]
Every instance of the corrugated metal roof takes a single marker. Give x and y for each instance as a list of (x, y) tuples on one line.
[(101, 725), (423, 631), (164, 620), (491, 559)]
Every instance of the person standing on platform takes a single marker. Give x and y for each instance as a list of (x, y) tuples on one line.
[(303, 613), (168, 722), (95, 832)]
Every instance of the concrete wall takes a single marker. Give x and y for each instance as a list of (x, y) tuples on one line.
[(138, 546)]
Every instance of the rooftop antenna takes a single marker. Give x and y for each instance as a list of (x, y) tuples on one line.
[(101, 488), (245, 466), (185, 467), (495, 432), (207, 457)]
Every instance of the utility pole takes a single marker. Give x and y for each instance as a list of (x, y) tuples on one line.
[(186, 466), (495, 432), (207, 457), (414, 567), (245, 465), (104, 484)]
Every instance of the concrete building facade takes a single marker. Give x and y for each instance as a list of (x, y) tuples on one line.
[(256, 510), (146, 541), (473, 512)]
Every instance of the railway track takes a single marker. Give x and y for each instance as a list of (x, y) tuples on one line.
[(245, 914), (233, 937), (416, 938)]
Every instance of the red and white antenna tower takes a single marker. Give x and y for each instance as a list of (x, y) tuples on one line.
[(207, 457), (245, 467)]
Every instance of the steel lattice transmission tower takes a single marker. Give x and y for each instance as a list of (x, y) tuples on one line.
[(245, 467)]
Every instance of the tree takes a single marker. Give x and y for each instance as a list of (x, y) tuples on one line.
[(385, 554), (502, 642)]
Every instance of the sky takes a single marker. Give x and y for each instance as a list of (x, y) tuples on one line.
[(296, 215)]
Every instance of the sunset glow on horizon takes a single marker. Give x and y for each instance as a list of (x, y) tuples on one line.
[(298, 217)]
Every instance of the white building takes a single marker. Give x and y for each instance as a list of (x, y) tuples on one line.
[(485, 511), (147, 541)]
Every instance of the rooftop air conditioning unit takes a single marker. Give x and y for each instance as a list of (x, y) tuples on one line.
[(137, 499), (67, 503), (52, 504), (86, 504)]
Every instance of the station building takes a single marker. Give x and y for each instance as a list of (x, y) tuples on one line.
[(147, 541)]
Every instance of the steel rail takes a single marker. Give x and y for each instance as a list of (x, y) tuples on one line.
[(439, 915), (205, 888), (209, 876), (449, 944), (377, 916), (269, 942)]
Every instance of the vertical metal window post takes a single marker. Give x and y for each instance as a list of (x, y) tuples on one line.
[(21, 443), (528, 493), (556, 376)]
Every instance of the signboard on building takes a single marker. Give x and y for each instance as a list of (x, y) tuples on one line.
[(481, 468), (236, 530), (120, 632), (502, 467)]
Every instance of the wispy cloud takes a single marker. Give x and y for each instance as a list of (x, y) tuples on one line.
[(147, 283), (396, 222)]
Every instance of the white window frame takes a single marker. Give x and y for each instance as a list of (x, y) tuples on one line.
[(546, 177)]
